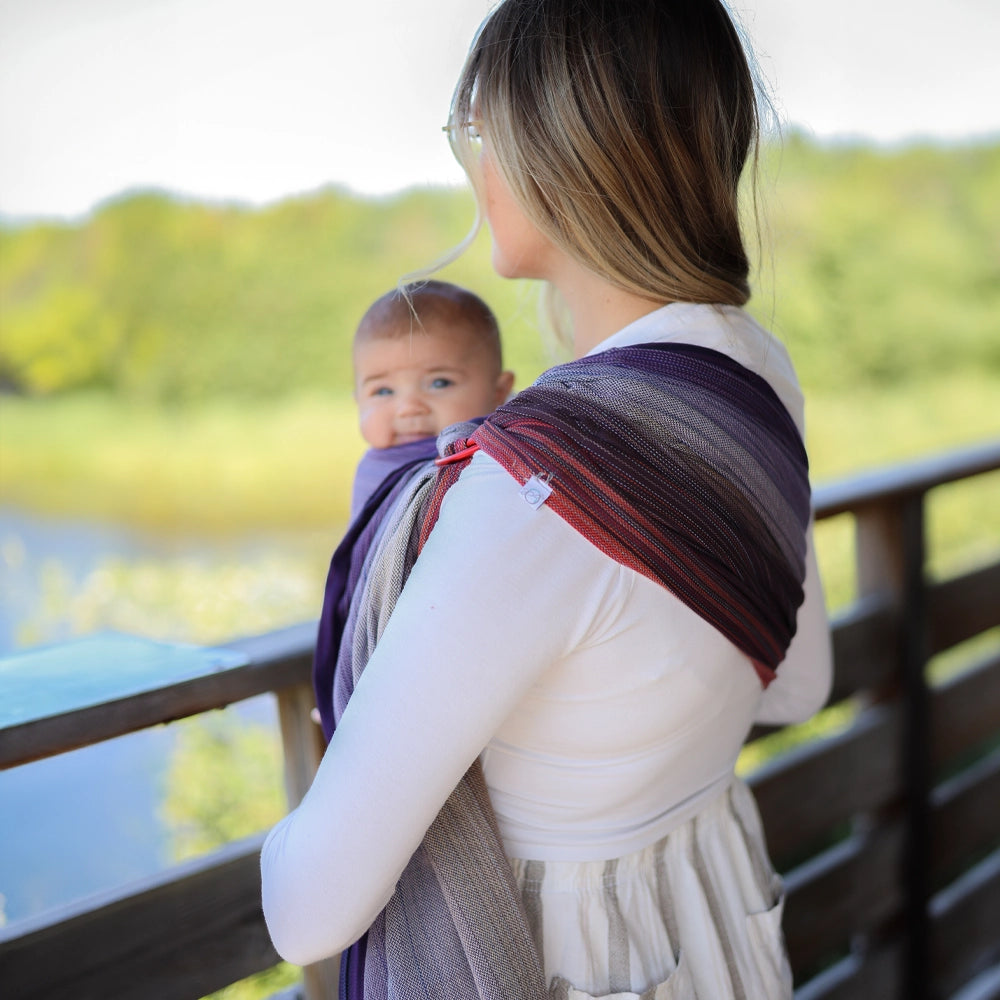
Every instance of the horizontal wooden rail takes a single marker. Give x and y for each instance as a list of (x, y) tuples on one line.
[(958, 610), (896, 482), (201, 920), (965, 711), (848, 889), (873, 974), (813, 789), (277, 660), (865, 637), (986, 986), (965, 817), (966, 922)]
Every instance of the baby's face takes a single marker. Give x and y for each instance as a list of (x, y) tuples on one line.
[(412, 386)]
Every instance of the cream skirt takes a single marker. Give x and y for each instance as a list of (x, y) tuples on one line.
[(695, 916)]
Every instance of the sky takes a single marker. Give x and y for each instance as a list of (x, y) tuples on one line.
[(253, 101)]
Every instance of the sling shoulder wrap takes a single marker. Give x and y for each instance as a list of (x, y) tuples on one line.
[(678, 462)]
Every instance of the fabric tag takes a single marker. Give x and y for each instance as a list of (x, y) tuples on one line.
[(536, 491)]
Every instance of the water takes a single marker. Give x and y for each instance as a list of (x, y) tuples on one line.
[(82, 822), (91, 820), (39, 555)]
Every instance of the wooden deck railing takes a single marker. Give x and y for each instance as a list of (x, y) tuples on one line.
[(888, 831), (905, 901)]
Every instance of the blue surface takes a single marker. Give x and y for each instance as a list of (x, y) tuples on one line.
[(97, 669), (91, 820)]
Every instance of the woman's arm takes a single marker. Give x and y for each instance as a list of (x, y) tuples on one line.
[(805, 675), (483, 613)]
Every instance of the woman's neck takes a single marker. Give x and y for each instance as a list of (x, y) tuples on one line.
[(598, 308)]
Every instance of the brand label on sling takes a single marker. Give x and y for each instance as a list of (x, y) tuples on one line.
[(536, 490)]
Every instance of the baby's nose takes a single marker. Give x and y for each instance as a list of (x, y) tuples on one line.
[(412, 401)]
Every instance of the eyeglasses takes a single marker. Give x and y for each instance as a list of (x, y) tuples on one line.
[(471, 130)]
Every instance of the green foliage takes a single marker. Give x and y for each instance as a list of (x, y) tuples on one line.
[(886, 264), (224, 783), (264, 985), (882, 265), (165, 300)]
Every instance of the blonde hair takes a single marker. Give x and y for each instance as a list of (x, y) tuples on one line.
[(622, 128)]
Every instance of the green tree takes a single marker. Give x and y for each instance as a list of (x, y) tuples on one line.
[(882, 265)]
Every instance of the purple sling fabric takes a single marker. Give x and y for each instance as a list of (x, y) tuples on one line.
[(381, 476), (378, 464)]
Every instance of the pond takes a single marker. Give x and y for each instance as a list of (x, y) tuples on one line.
[(93, 819)]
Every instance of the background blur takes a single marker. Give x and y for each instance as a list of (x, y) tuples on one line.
[(198, 200)]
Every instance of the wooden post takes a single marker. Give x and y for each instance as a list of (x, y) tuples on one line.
[(302, 740), (890, 548)]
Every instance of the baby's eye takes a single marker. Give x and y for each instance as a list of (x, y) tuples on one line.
[(382, 390), (441, 383)]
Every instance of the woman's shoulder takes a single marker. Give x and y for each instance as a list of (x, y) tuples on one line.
[(489, 512), (554, 567), (729, 330)]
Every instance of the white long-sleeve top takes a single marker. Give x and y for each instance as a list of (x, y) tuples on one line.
[(604, 709)]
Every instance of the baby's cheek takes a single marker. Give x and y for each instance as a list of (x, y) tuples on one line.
[(375, 423)]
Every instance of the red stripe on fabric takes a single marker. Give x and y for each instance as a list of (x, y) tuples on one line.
[(652, 496), (690, 581), (458, 456)]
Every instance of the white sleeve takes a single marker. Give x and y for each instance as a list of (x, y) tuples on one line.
[(482, 614), (805, 675)]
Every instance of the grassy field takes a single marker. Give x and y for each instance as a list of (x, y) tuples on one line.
[(217, 469), (235, 468), (232, 470)]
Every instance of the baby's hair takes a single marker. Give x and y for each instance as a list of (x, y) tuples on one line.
[(404, 310), (622, 128)]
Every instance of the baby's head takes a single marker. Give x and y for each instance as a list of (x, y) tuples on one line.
[(424, 360)]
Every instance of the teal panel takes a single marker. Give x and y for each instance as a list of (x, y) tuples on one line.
[(53, 680)]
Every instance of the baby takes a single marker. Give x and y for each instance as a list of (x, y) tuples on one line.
[(422, 361)]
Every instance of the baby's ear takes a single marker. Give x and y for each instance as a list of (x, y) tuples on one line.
[(505, 383)]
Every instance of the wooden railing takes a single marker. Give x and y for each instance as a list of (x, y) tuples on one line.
[(197, 927), (903, 899), (888, 830)]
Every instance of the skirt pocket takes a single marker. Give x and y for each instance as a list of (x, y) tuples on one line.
[(677, 987), (771, 959)]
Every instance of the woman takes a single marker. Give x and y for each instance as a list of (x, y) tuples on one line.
[(531, 791)]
